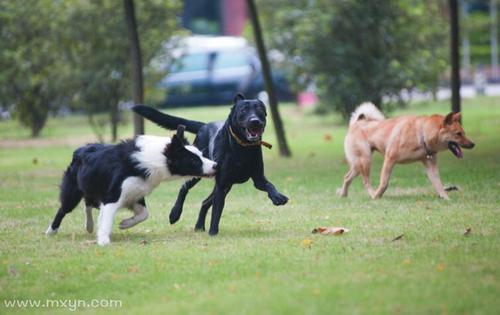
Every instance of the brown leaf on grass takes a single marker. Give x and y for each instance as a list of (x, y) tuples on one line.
[(440, 267), (330, 230), (327, 137), (467, 231), (12, 271), (307, 242), (144, 242), (132, 269), (397, 238)]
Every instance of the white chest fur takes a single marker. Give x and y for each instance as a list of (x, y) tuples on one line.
[(151, 158)]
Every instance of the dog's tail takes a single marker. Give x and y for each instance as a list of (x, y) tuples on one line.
[(167, 121), (367, 111)]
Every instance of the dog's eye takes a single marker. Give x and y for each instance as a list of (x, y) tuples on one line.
[(459, 134)]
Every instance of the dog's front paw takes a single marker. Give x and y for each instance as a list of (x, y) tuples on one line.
[(341, 193), (175, 215), (103, 240), (278, 199)]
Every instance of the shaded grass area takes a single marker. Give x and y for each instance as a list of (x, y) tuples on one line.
[(265, 259)]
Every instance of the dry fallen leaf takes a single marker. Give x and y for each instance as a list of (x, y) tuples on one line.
[(467, 231), (144, 242), (330, 230), (307, 242), (328, 137), (440, 267), (397, 238), (132, 269), (13, 271)]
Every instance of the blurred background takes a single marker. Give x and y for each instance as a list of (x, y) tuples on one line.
[(60, 58)]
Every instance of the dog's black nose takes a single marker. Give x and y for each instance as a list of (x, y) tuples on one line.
[(472, 144), (255, 122), (214, 167)]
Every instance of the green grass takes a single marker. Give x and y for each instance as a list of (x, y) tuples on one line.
[(260, 262)]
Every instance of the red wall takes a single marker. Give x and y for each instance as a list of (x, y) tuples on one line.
[(234, 16)]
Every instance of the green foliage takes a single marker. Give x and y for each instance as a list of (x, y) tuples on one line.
[(74, 53), (31, 69), (358, 50)]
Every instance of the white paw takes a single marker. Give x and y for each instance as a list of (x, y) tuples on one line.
[(50, 231), (103, 240)]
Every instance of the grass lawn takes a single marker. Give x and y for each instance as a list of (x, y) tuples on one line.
[(265, 259)]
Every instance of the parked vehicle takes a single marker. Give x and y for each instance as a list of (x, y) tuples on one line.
[(211, 70)]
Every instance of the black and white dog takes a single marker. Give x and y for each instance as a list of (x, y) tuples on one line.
[(235, 144), (110, 177)]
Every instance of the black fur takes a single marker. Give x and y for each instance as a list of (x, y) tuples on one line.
[(236, 163), (97, 172)]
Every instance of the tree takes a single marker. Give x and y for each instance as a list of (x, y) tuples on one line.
[(454, 56), (355, 50), (100, 51), (136, 62), (74, 54), (32, 71), (266, 71)]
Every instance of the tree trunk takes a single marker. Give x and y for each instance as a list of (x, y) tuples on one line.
[(114, 121), (455, 56), (266, 72), (136, 63)]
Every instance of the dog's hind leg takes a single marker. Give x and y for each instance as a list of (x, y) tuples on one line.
[(219, 199), (89, 220), (348, 178), (384, 177), (140, 214), (433, 175), (364, 168), (206, 204), (70, 196), (176, 211)]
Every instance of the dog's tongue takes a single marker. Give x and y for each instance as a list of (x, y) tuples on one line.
[(255, 132), (455, 149)]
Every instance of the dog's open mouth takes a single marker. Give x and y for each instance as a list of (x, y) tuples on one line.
[(455, 149), (254, 133)]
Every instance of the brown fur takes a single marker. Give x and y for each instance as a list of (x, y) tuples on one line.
[(404, 139)]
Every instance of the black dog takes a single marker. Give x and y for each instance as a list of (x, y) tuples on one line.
[(236, 147), (110, 177)]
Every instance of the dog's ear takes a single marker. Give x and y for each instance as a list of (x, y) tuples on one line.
[(239, 97), (448, 120), (452, 117), (178, 141), (180, 131)]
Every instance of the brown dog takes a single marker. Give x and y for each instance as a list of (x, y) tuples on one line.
[(402, 139)]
